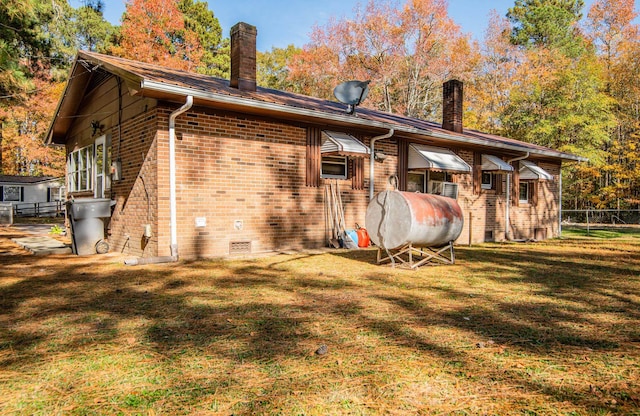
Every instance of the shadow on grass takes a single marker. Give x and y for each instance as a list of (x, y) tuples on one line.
[(263, 312)]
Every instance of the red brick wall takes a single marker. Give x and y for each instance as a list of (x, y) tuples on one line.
[(486, 211), (246, 178), (135, 194)]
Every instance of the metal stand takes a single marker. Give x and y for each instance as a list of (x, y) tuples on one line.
[(414, 257)]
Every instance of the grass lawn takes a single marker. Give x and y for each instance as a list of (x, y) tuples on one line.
[(549, 328), (601, 231)]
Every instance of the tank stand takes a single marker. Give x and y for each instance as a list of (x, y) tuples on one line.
[(414, 257)]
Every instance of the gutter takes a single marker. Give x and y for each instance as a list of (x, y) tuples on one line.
[(372, 159), (342, 118), (507, 219)]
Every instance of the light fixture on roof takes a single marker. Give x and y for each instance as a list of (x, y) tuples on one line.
[(352, 93)]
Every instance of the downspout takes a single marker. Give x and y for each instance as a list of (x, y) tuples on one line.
[(507, 220), (172, 193), (560, 203), (172, 175), (372, 159)]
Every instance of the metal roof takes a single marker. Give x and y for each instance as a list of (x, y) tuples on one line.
[(529, 170), (435, 158), (494, 163), (342, 143), (149, 80)]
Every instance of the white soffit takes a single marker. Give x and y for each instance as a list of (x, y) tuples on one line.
[(342, 144), (436, 158), (494, 163), (531, 171)]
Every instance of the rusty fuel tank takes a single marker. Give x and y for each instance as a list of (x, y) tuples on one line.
[(396, 218)]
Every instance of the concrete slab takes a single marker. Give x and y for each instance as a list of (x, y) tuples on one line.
[(42, 246)]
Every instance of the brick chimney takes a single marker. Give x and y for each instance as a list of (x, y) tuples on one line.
[(243, 56), (452, 105)]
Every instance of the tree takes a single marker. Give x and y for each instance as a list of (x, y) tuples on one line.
[(36, 48), (273, 68), (610, 27), (93, 32), (201, 21), (34, 41), (546, 23), (406, 52), (489, 90), (154, 31), (24, 151)]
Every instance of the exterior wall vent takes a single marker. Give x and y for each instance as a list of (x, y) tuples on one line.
[(488, 236), (240, 247), (540, 234)]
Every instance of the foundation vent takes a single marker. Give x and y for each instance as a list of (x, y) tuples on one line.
[(240, 247), (488, 236)]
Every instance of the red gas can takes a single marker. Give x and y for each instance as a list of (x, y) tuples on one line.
[(363, 238)]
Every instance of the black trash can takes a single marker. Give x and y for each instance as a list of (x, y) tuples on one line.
[(86, 217)]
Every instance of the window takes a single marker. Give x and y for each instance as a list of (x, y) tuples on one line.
[(12, 193), (103, 162), (524, 193), (334, 167), (55, 193), (487, 180), (416, 181), (79, 168)]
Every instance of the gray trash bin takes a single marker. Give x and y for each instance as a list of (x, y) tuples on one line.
[(86, 216)]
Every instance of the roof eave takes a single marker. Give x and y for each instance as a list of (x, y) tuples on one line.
[(73, 91)]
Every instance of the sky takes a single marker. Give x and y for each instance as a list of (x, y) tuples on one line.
[(284, 22)]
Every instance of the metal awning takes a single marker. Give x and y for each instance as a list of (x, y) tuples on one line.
[(342, 144), (495, 164), (435, 158), (531, 171)]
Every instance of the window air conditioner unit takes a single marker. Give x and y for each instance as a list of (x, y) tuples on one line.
[(448, 189)]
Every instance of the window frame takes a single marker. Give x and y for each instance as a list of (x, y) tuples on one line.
[(425, 180), (102, 181), (446, 177), (335, 161), (80, 162), (19, 189), (527, 185), (487, 185)]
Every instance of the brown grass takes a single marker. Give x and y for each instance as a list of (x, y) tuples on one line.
[(545, 328)]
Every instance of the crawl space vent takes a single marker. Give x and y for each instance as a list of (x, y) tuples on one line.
[(488, 236), (240, 247)]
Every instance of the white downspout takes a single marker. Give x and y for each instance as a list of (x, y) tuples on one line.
[(172, 174), (372, 159), (507, 220), (560, 203)]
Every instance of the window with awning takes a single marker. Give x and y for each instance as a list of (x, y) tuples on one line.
[(436, 159), (495, 164), (531, 171), (334, 155), (342, 144), (487, 172)]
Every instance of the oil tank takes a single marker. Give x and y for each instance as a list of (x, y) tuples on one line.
[(396, 218)]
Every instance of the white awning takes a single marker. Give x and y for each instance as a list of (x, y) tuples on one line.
[(531, 171), (494, 163), (435, 158), (342, 144)]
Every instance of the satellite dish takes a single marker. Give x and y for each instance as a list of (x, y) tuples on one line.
[(352, 93)]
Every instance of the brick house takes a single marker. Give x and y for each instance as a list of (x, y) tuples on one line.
[(205, 167)]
